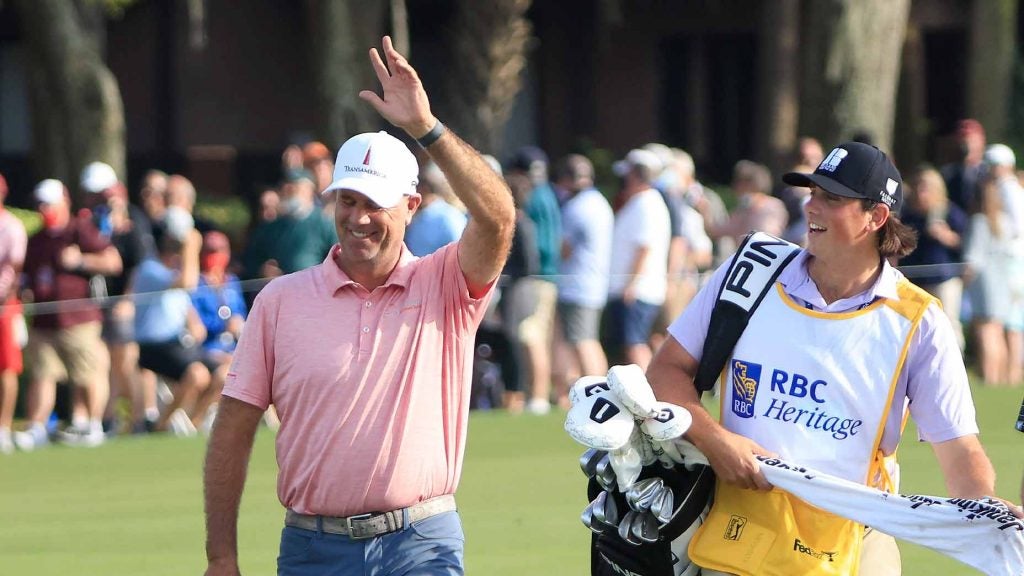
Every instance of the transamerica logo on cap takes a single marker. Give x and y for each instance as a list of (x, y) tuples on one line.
[(830, 163), (366, 159)]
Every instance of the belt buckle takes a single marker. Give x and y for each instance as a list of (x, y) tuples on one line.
[(352, 528)]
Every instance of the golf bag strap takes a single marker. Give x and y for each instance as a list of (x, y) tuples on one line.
[(758, 262)]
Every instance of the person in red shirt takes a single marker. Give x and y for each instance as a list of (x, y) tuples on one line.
[(12, 257), (65, 343)]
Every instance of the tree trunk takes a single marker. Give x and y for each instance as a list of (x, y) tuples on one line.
[(77, 114), (911, 135), (851, 65), (489, 44), (778, 55), (993, 34), (342, 34)]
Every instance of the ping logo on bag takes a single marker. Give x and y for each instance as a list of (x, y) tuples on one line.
[(734, 529), (745, 379)]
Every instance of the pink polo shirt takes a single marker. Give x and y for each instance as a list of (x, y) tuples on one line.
[(372, 387)]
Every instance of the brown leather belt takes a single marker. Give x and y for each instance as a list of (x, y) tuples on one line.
[(370, 525)]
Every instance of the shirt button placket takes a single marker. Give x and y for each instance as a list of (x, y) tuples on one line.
[(364, 339)]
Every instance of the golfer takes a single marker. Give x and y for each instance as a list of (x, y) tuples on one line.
[(835, 355), (367, 359)]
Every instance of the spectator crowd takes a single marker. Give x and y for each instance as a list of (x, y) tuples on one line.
[(136, 307)]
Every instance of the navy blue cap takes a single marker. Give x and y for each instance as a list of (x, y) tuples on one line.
[(856, 170)]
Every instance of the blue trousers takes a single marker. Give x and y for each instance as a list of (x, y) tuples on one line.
[(431, 547)]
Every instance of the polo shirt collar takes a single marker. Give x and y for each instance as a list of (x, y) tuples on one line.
[(336, 279), (797, 282)]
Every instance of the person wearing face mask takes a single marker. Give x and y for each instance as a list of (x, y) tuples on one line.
[(127, 228), (298, 238), (221, 307), (64, 343)]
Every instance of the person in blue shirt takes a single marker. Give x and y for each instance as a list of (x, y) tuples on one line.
[(219, 301), (537, 330), (436, 222), (167, 326), (220, 304)]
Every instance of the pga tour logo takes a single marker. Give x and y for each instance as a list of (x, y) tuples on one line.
[(831, 162), (745, 379)]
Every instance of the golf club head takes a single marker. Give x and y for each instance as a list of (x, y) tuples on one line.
[(626, 529), (588, 386), (587, 517), (605, 474), (642, 493), (663, 505), (644, 527), (589, 460), (630, 385), (648, 495), (633, 494), (609, 511), (598, 506)]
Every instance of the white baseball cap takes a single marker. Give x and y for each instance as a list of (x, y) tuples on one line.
[(638, 157), (378, 166), (49, 191), (1000, 155), (97, 177)]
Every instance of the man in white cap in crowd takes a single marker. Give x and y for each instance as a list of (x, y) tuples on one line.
[(367, 358), (639, 265), (65, 343), (128, 229)]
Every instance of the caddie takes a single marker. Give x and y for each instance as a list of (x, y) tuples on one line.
[(823, 375)]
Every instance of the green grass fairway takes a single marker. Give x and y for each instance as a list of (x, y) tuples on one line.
[(134, 506)]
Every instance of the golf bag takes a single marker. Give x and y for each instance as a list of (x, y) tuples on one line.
[(758, 261)]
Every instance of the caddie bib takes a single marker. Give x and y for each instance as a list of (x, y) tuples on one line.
[(815, 388)]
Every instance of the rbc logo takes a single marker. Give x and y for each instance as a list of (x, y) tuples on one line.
[(745, 378)]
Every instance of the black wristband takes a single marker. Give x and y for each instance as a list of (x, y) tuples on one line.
[(432, 136)]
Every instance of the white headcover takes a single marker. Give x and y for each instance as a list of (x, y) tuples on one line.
[(585, 386), (671, 422), (600, 421), (630, 384)]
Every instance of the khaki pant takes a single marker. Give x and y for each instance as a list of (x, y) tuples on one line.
[(76, 354), (879, 556)]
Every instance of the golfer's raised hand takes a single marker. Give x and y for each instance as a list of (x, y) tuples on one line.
[(404, 102)]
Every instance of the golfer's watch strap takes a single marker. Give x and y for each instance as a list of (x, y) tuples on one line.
[(432, 136)]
